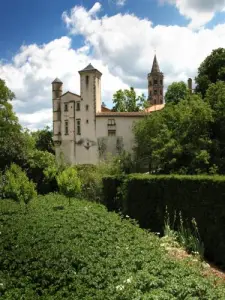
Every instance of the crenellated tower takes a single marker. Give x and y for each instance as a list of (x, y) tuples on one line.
[(155, 84)]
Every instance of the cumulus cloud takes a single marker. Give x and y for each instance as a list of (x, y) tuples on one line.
[(120, 46), (200, 12), (32, 70)]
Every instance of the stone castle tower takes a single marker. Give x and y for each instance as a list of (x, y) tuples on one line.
[(155, 84)]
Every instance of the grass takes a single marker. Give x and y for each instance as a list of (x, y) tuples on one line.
[(56, 251)]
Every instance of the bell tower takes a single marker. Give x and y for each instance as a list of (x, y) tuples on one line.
[(155, 84)]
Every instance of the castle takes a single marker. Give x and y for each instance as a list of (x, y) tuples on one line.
[(84, 130)]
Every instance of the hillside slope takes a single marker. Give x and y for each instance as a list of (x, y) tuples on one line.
[(56, 251)]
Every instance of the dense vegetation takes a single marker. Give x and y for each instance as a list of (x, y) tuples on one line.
[(198, 197), (80, 251), (187, 136)]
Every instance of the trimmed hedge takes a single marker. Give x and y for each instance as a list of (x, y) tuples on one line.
[(146, 197)]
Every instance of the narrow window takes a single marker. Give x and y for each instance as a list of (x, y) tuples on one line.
[(87, 80), (78, 106), (161, 81), (87, 107), (155, 81), (111, 132), (65, 107), (78, 127), (87, 121), (160, 92), (66, 127), (150, 83), (155, 92), (111, 122), (150, 93)]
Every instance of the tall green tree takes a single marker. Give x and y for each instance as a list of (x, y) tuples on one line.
[(211, 70), (43, 140), (14, 143), (176, 139), (176, 92), (215, 97), (128, 101)]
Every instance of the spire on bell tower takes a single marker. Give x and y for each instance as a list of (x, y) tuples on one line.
[(155, 84)]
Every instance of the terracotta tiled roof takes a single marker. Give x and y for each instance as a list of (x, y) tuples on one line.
[(155, 107), (105, 109), (131, 114)]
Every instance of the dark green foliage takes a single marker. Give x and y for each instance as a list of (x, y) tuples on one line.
[(43, 140), (176, 139), (211, 70), (145, 199), (83, 252), (176, 92)]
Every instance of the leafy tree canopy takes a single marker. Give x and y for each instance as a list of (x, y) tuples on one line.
[(176, 139), (176, 92), (128, 101), (211, 70), (43, 140)]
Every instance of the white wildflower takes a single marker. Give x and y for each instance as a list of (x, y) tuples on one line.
[(120, 287)]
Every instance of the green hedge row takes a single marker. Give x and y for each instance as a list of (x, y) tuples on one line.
[(146, 197)]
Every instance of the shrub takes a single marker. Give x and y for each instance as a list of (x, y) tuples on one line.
[(17, 185), (84, 252), (69, 183), (145, 198)]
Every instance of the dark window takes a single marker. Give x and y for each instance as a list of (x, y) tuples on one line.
[(87, 80), (87, 121), (65, 107), (155, 81), (150, 93), (78, 106), (111, 132), (160, 92), (66, 127), (150, 83), (154, 101), (111, 122), (87, 106), (78, 127), (155, 92), (161, 82)]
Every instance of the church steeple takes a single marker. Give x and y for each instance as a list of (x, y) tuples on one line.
[(155, 84), (155, 65)]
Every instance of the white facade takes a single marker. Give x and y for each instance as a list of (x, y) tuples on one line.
[(85, 131)]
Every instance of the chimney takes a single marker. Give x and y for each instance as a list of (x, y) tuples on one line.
[(190, 85)]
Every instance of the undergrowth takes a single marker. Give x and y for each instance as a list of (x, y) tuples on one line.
[(56, 251)]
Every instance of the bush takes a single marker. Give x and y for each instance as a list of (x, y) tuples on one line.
[(17, 186), (69, 183), (84, 252), (145, 199)]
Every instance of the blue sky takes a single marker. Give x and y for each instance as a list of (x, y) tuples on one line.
[(44, 39), (27, 22)]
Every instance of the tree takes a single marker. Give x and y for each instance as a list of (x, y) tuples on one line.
[(176, 92), (176, 139), (69, 183), (215, 97), (128, 101), (43, 140), (14, 143), (211, 70), (17, 186)]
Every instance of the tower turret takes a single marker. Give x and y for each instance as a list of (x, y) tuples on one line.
[(155, 84), (57, 89)]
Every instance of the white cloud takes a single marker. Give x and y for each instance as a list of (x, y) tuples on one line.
[(120, 46), (200, 12), (32, 70)]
